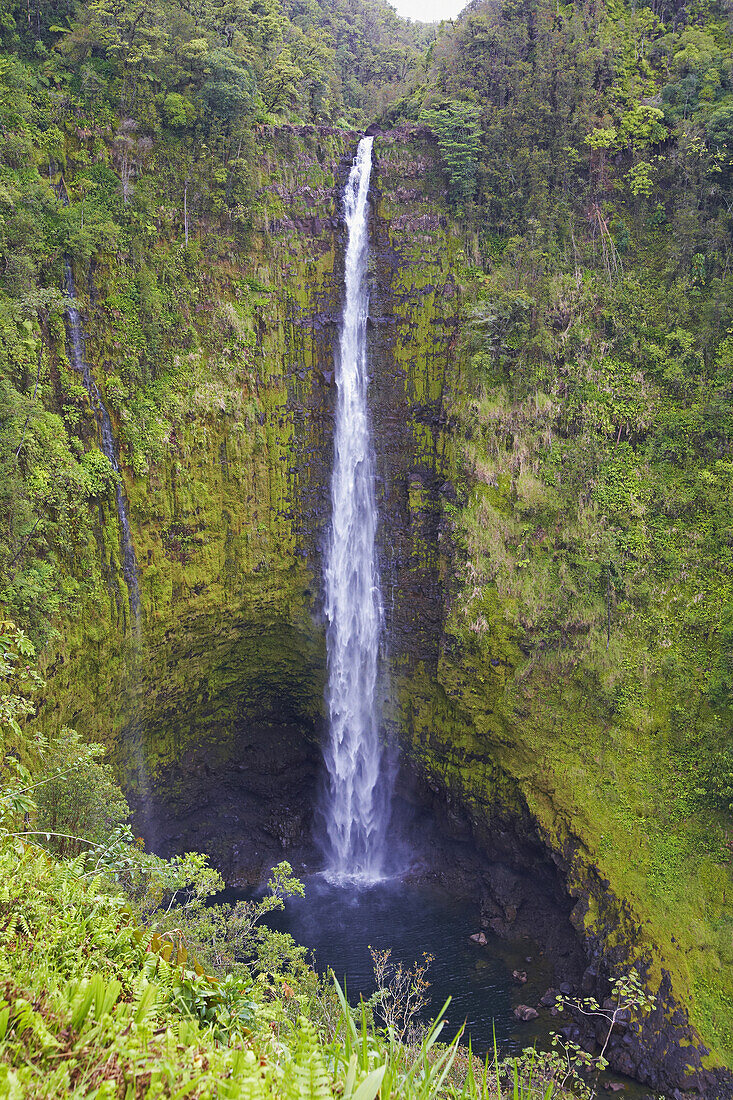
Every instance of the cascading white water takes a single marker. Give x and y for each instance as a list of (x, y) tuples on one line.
[(357, 801)]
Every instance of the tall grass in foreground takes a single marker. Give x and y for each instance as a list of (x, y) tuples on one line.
[(423, 1071)]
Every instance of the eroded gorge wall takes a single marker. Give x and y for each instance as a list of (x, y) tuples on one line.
[(215, 713)]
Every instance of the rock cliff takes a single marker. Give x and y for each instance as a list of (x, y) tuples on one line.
[(215, 712)]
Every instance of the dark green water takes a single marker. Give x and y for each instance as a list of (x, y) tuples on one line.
[(339, 923)]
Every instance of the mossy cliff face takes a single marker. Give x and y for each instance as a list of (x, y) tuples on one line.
[(216, 702), (496, 778), (227, 673), (522, 755), (215, 710), (415, 307), (510, 755)]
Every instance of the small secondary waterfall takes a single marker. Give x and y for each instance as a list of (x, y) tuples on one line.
[(358, 797), (77, 355)]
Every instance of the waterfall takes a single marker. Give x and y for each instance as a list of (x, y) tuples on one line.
[(357, 799), (77, 355)]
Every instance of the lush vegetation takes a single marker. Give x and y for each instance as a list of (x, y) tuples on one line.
[(587, 151), (123, 977), (130, 135), (596, 520)]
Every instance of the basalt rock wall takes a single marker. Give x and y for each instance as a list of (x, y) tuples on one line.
[(215, 713)]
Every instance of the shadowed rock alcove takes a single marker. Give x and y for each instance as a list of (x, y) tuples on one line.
[(223, 756), (222, 753)]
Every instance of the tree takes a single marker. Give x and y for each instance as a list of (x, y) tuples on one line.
[(77, 794), (456, 126), (280, 88), (229, 90), (628, 999)]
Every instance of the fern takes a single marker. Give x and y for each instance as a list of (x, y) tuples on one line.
[(307, 1078), (86, 989)]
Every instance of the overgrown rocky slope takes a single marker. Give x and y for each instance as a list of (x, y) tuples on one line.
[(550, 349), (214, 708)]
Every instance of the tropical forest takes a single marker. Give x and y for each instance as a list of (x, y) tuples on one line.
[(366, 549)]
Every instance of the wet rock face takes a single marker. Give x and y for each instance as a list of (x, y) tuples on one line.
[(522, 893), (661, 1050), (250, 814), (218, 716), (220, 757), (413, 320), (230, 731), (415, 313)]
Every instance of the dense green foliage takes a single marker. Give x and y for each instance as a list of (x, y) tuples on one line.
[(459, 139), (596, 524), (91, 1005), (601, 433), (587, 152), (121, 978), (130, 131)]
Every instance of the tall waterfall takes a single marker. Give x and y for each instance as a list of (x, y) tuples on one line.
[(357, 800), (77, 356)]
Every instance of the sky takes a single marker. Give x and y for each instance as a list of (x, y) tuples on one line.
[(429, 11)]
